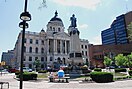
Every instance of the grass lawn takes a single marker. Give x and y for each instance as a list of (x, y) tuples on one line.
[(119, 74), (43, 75)]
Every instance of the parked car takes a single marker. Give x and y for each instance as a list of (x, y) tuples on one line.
[(27, 69), (12, 70)]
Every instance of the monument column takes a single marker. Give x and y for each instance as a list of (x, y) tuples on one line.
[(75, 55)]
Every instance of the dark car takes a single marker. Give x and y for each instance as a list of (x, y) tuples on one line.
[(13, 70)]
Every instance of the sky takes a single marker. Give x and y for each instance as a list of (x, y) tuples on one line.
[(93, 16)]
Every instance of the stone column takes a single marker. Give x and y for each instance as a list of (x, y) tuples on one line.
[(47, 46), (61, 46), (65, 47)]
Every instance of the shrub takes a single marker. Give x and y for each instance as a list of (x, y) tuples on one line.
[(42, 71), (17, 73), (98, 69), (101, 77), (28, 76), (130, 72), (120, 70)]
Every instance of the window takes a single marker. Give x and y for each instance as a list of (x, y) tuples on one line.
[(30, 65), (85, 46), (82, 53), (30, 50), (42, 42), (82, 46), (36, 50), (30, 58), (42, 58), (58, 29), (71, 55), (86, 53), (31, 41), (42, 50), (50, 58), (53, 29), (78, 55), (36, 58), (37, 41), (24, 49)]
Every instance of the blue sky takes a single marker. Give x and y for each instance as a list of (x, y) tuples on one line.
[(93, 16)]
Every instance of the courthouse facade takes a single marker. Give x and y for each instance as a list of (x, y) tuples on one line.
[(51, 47)]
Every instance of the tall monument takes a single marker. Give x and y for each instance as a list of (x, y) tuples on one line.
[(75, 55)]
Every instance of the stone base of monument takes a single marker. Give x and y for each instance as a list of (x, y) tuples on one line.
[(75, 72)]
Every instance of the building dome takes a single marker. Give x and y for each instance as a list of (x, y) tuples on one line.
[(55, 18)]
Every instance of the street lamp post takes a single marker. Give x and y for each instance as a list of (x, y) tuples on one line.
[(25, 16)]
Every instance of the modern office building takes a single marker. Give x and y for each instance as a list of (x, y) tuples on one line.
[(51, 47), (117, 33)]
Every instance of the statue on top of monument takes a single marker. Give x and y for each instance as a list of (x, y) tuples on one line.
[(73, 21)]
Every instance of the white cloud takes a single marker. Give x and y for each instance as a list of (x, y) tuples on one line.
[(83, 26), (96, 40), (88, 4)]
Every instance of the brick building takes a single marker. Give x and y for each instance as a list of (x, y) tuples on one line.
[(97, 52)]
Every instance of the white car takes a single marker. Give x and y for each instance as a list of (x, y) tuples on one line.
[(27, 69)]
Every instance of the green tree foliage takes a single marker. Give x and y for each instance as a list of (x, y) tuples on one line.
[(129, 29), (107, 61), (121, 60), (129, 60), (37, 64)]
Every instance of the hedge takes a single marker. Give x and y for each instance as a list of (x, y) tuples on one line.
[(101, 77), (98, 69), (120, 70), (28, 76), (42, 71)]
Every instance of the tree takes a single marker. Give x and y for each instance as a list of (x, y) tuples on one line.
[(121, 60), (37, 64), (129, 60), (107, 61), (129, 30)]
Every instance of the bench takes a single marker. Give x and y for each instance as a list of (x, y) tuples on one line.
[(59, 79), (66, 78), (2, 83)]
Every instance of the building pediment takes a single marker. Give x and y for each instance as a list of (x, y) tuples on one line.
[(62, 34)]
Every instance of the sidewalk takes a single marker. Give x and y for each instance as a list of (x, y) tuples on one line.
[(42, 84)]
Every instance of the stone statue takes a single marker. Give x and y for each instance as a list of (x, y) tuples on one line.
[(73, 21)]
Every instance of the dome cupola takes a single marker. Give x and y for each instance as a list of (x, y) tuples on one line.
[(55, 18)]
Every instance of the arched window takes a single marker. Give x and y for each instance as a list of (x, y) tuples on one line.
[(30, 50), (42, 50), (36, 50), (58, 29)]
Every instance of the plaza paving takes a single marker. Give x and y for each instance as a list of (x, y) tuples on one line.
[(42, 84)]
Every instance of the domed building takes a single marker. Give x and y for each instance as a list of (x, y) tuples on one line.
[(51, 46)]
